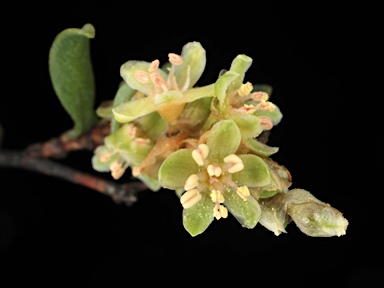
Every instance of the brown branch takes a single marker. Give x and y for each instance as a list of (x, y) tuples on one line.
[(118, 192), (60, 146), (34, 158)]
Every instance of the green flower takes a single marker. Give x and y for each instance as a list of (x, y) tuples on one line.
[(122, 149), (161, 91), (245, 104), (215, 179)]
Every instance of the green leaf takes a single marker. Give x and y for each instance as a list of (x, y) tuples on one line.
[(72, 77), (198, 218), (224, 139), (259, 148), (247, 212), (255, 172), (176, 169), (194, 60)]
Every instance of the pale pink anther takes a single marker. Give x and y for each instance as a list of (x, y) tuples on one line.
[(247, 109), (266, 105), (190, 198), (237, 163), (192, 182), (266, 122), (259, 96), (200, 153), (214, 170), (156, 79), (142, 76), (175, 59), (153, 66)]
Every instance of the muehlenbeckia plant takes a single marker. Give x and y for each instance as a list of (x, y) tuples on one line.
[(205, 143)]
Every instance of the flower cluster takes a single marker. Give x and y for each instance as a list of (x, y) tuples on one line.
[(207, 144)]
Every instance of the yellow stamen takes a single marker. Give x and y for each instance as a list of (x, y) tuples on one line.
[(190, 198), (243, 192), (245, 89), (219, 211), (216, 196), (266, 105)]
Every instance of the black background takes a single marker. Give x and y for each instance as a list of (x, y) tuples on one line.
[(55, 233)]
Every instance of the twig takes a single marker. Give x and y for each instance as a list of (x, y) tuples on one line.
[(60, 146), (34, 158), (118, 192)]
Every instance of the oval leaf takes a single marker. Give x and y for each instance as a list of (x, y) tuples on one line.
[(71, 73)]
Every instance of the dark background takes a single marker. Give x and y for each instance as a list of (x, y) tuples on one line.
[(55, 233)]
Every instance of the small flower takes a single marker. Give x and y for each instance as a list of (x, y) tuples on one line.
[(215, 179), (166, 92), (121, 149)]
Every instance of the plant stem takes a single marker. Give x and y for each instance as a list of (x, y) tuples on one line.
[(34, 158)]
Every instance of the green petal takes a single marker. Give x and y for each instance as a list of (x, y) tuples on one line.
[(247, 212), (194, 115), (275, 115), (132, 151), (194, 56), (255, 172), (224, 139), (152, 125), (250, 125), (99, 166), (176, 169), (221, 86), (240, 65), (152, 183), (171, 96), (128, 70), (259, 148), (129, 111), (124, 94), (197, 218), (198, 93)]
